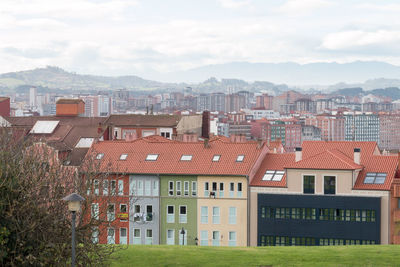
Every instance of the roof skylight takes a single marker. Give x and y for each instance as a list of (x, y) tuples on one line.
[(240, 158), (152, 157), (85, 142), (273, 175), (186, 157), (216, 157), (123, 156), (44, 127), (375, 178), (100, 156)]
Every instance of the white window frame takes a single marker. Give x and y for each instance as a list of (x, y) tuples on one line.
[(232, 242), (183, 217), (140, 187), (133, 187), (186, 188), (203, 238), (149, 212), (149, 240), (221, 192), (216, 217), (120, 235), (155, 188), (173, 237), (95, 211), (96, 187), (171, 216), (113, 190), (147, 188), (99, 156), (204, 215), (95, 235), (216, 242), (231, 192), (120, 210), (232, 215), (194, 188), (179, 188), (120, 187), (105, 188), (151, 157), (137, 240), (110, 216), (240, 158), (206, 192), (123, 156), (186, 157), (240, 193), (216, 158), (110, 240), (170, 190)]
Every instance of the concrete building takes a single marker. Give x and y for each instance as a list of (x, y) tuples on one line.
[(361, 126)]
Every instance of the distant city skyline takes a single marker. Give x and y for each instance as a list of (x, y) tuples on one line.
[(139, 37)]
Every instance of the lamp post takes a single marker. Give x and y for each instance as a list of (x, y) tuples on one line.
[(183, 236), (196, 240), (74, 205)]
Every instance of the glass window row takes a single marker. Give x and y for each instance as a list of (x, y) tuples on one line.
[(310, 241)]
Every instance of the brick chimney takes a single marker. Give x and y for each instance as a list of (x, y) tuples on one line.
[(190, 137), (298, 154), (70, 107), (130, 136), (357, 155), (205, 127)]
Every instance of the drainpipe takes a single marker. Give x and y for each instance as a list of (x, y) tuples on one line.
[(159, 209), (248, 211)]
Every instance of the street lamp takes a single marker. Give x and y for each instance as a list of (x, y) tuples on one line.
[(196, 240), (183, 236), (74, 205)]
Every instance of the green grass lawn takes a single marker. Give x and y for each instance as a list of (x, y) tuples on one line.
[(367, 255)]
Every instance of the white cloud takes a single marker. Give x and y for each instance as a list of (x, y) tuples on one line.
[(234, 3), (358, 38), (302, 7)]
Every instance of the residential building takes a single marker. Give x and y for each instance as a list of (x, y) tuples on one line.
[(361, 126)]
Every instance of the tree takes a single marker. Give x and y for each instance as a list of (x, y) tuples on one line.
[(35, 224)]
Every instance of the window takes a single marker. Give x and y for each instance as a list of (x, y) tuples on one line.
[(186, 158), (136, 237), (239, 193), (137, 215), (111, 212), (149, 237), (120, 187), (216, 217), (329, 185), (170, 188), (178, 188), (95, 211), (123, 209), (123, 156), (147, 188), (240, 158), (149, 213), (194, 189), (152, 157), (110, 236), (214, 186), (398, 203), (113, 187), (170, 237), (232, 239), (216, 157), (123, 236), (133, 187), (206, 189), (105, 187), (221, 189), (273, 175), (203, 238), (100, 156), (204, 214), (215, 238), (231, 189), (375, 178), (95, 235), (232, 215), (308, 184), (96, 187), (186, 188), (170, 214), (155, 188), (182, 214), (140, 188)]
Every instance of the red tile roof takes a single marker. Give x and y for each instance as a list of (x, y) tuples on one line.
[(326, 160), (170, 152), (272, 161)]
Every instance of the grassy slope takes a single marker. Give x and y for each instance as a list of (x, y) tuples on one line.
[(276, 256)]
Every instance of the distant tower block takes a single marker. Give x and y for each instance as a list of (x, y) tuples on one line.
[(32, 97), (70, 107)]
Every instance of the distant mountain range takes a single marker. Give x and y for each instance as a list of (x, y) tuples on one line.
[(324, 77)]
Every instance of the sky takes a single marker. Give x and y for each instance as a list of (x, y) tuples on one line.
[(138, 37)]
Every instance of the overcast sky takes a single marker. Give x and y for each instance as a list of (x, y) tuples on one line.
[(118, 37)]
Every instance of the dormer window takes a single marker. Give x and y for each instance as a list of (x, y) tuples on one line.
[(216, 157), (123, 156), (152, 157), (273, 175), (240, 158), (375, 178), (186, 157), (100, 156)]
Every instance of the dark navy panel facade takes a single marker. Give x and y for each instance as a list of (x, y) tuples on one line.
[(319, 228)]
